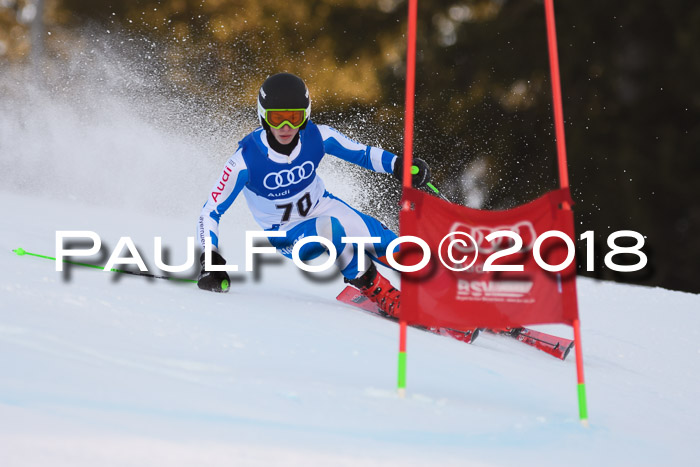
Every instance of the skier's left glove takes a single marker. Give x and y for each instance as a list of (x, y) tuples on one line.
[(215, 281), (420, 172)]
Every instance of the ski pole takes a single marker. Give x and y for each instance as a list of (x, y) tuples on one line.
[(22, 252), (437, 192)]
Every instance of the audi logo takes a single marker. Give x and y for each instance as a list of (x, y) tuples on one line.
[(523, 228), (287, 177)]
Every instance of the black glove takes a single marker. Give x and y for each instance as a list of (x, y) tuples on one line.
[(420, 172), (216, 281)]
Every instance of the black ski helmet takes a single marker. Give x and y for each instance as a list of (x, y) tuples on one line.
[(283, 91)]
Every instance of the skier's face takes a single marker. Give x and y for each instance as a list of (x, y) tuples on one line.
[(285, 134)]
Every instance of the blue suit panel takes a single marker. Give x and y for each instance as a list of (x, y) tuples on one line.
[(275, 180)]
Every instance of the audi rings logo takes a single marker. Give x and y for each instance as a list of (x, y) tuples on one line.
[(524, 229), (287, 177)]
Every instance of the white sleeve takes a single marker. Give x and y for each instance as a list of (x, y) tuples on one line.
[(230, 183), (369, 157)]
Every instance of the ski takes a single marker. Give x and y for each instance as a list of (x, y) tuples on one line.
[(354, 297), (558, 347)]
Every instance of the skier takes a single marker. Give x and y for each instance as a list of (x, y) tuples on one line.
[(275, 168)]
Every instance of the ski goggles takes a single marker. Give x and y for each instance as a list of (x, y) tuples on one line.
[(276, 118)]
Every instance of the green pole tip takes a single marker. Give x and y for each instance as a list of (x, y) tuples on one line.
[(20, 251), (224, 285), (414, 169)]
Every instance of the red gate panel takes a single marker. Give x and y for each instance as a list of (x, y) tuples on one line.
[(440, 297)]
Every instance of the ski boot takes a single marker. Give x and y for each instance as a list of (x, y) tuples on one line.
[(378, 289)]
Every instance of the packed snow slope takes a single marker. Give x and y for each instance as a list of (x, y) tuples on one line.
[(105, 369), (99, 368)]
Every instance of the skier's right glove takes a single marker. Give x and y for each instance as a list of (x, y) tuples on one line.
[(420, 172), (215, 281)]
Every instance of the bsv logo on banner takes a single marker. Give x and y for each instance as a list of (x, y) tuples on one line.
[(288, 177), (494, 290)]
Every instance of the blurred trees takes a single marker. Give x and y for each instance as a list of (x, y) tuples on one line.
[(484, 120)]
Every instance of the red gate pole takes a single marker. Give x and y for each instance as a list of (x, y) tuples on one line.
[(410, 93), (564, 183), (408, 159), (556, 94)]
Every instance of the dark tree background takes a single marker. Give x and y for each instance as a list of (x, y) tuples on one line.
[(630, 73)]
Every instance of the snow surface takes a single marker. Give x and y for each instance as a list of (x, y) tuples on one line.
[(105, 369)]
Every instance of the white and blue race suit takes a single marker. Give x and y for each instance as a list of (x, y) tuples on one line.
[(284, 193)]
